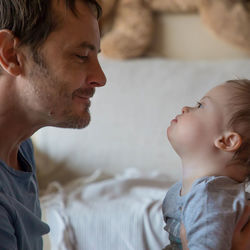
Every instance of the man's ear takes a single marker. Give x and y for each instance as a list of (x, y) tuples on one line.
[(229, 142), (9, 59)]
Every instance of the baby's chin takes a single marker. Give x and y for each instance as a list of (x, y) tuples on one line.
[(169, 133)]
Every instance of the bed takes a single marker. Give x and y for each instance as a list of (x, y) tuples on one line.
[(102, 187)]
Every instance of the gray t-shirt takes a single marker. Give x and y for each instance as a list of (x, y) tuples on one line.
[(20, 214), (209, 212)]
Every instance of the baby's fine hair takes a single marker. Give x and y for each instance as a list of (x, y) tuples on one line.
[(240, 119)]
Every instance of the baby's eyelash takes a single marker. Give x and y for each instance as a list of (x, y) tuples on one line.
[(199, 104)]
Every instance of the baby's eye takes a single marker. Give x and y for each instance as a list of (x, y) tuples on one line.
[(199, 105)]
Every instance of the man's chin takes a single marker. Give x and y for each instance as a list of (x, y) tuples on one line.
[(75, 122), (81, 123)]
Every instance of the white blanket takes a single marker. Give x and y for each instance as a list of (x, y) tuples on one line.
[(122, 213)]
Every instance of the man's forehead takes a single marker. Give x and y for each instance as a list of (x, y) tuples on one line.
[(84, 25), (75, 7)]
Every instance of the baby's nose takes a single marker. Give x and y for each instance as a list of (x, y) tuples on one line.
[(185, 109)]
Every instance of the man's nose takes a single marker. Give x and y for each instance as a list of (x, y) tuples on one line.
[(97, 77)]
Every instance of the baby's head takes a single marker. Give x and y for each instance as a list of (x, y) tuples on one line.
[(240, 117), (217, 129)]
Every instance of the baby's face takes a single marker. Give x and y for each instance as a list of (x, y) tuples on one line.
[(194, 131)]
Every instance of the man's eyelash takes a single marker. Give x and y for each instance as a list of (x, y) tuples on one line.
[(82, 57)]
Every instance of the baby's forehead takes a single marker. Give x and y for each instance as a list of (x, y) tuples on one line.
[(220, 94), (220, 97)]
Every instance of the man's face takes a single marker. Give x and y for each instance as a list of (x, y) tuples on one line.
[(193, 132), (63, 74)]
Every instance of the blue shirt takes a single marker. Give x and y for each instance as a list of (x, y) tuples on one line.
[(209, 212), (20, 213)]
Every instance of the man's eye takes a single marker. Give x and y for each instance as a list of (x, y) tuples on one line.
[(199, 105), (83, 58)]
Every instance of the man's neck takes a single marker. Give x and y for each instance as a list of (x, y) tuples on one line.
[(14, 125), (9, 146)]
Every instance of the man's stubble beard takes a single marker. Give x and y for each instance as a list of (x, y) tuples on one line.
[(42, 74)]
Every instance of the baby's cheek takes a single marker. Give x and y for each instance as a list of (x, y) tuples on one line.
[(193, 132)]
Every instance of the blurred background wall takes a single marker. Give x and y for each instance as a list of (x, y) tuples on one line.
[(184, 36)]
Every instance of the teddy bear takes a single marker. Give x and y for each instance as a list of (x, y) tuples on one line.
[(228, 19), (132, 22)]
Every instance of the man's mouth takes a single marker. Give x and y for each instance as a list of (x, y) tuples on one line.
[(84, 93), (82, 100)]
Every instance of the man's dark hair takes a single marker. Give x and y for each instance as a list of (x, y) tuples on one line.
[(33, 20)]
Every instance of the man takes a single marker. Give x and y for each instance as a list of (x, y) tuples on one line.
[(49, 71)]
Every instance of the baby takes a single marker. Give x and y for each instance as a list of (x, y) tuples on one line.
[(213, 142)]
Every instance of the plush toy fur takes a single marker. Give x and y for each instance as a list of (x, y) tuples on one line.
[(229, 19), (133, 22)]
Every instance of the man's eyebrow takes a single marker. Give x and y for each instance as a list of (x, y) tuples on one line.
[(89, 46)]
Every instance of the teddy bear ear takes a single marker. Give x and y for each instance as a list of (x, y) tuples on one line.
[(175, 6), (131, 31), (106, 20), (222, 17)]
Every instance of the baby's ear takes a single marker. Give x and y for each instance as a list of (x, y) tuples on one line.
[(229, 142)]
